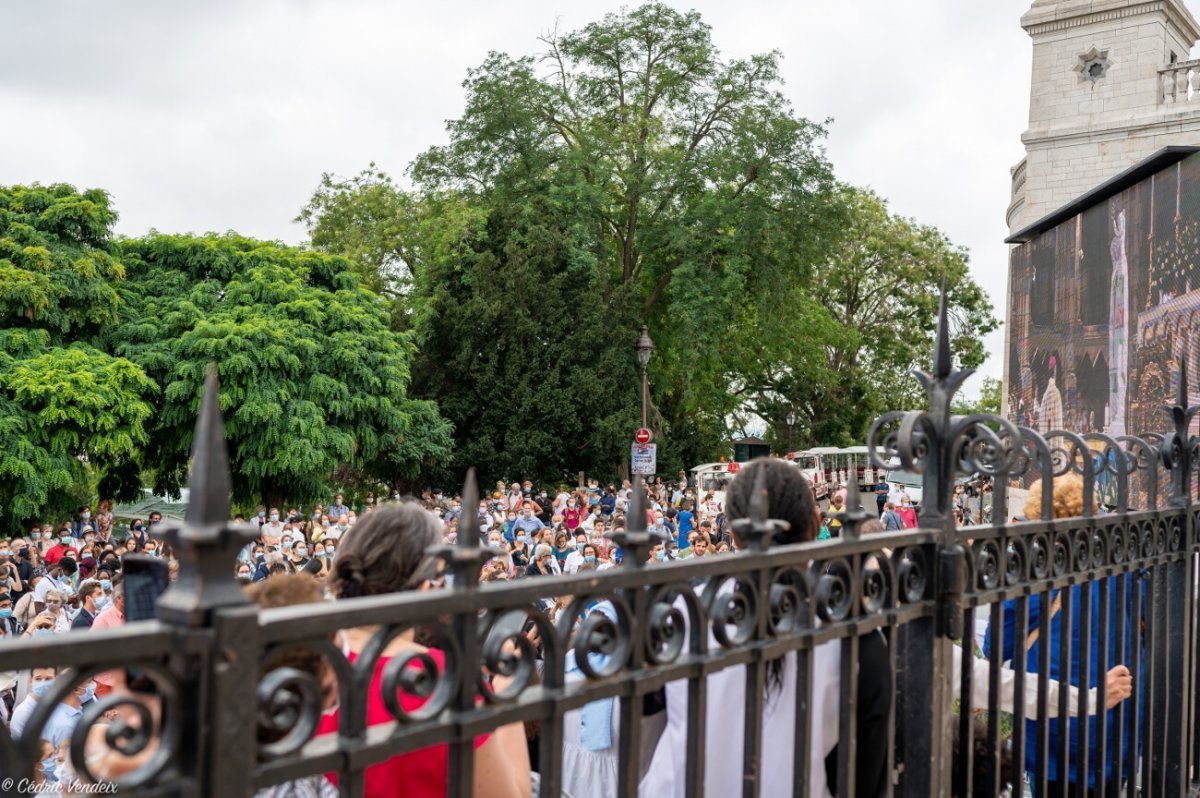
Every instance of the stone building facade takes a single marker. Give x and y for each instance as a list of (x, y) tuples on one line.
[(1111, 84)]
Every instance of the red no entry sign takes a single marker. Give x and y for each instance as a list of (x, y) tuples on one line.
[(643, 436)]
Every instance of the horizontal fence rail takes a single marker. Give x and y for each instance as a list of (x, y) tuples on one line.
[(990, 655)]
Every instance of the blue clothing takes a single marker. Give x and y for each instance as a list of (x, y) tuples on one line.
[(59, 728), (684, 519), (1130, 656), (608, 504), (526, 525)]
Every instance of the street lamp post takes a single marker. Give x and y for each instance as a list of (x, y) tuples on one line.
[(644, 347), (791, 421)]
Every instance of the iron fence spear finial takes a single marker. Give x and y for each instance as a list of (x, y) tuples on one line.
[(207, 543), (942, 362), (854, 515), (635, 541), (209, 483), (756, 532), (465, 558)]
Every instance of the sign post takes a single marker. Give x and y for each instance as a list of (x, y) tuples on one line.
[(644, 459)]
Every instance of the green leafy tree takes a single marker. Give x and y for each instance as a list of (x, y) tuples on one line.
[(988, 400), (675, 182), (312, 376), (69, 411), (879, 289), (665, 184)]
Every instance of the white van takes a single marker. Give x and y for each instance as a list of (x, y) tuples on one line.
[(909, 480)]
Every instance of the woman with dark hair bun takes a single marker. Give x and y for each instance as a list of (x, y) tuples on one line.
[(386, 552)]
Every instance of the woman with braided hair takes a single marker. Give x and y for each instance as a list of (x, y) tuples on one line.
[(385, 554)]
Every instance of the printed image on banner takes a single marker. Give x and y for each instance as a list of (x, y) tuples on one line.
[(644, 459)]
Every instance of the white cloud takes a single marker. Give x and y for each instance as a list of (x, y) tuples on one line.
[(223, 115)]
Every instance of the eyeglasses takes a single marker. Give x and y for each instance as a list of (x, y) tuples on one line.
[(52, 602)]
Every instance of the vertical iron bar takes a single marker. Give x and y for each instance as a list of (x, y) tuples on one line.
[(697, 731), (1123, 657), (1140, 669), (848, 717), (1175, 610), (966, 708), (1042, 761), (802, 740), (1102, 664), (630, 744), (1020, 635), (1064, 675), (752, 739), (891, 723), (1083, 679), (1152, 734), (993, 725)]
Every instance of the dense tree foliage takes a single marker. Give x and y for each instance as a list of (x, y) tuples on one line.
[(69, 410), (312, 376), (630, 174), (847, 355)]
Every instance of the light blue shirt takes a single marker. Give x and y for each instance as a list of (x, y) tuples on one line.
[(59, 728)]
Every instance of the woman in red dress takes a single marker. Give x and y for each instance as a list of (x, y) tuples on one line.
[(387, 554)]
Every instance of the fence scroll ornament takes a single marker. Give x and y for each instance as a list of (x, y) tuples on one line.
[(222, 710)]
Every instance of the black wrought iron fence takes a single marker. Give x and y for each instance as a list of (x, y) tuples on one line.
[(1067, 598)]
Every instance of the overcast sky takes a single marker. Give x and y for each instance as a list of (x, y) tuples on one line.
[(223, 115)]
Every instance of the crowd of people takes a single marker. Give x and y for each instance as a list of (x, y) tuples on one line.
[(68, 578)]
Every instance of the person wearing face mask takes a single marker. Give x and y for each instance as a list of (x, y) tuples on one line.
[(151, 548), (320, 529), (258, 564), (273, 528), (20, 556), (540, 564), (298, 556), (573, 514), (40, 681), (84, 520), (64, 719), (338, 529), (56, 611), (323, 557), (908, 516), (65, 547), (104, 577), (528, 524), (92, 600), (574, 558), (9, 624), (58, 579), (136, 539), (520, 553)]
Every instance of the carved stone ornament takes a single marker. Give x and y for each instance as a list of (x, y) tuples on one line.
[(1093, 65)]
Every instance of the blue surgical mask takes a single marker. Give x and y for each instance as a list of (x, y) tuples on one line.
[(88, 694), (40, 689), (6, 612), (589, 558), (523, 539), (662, 555), (43, 632), (106, 584), (102, 601)]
